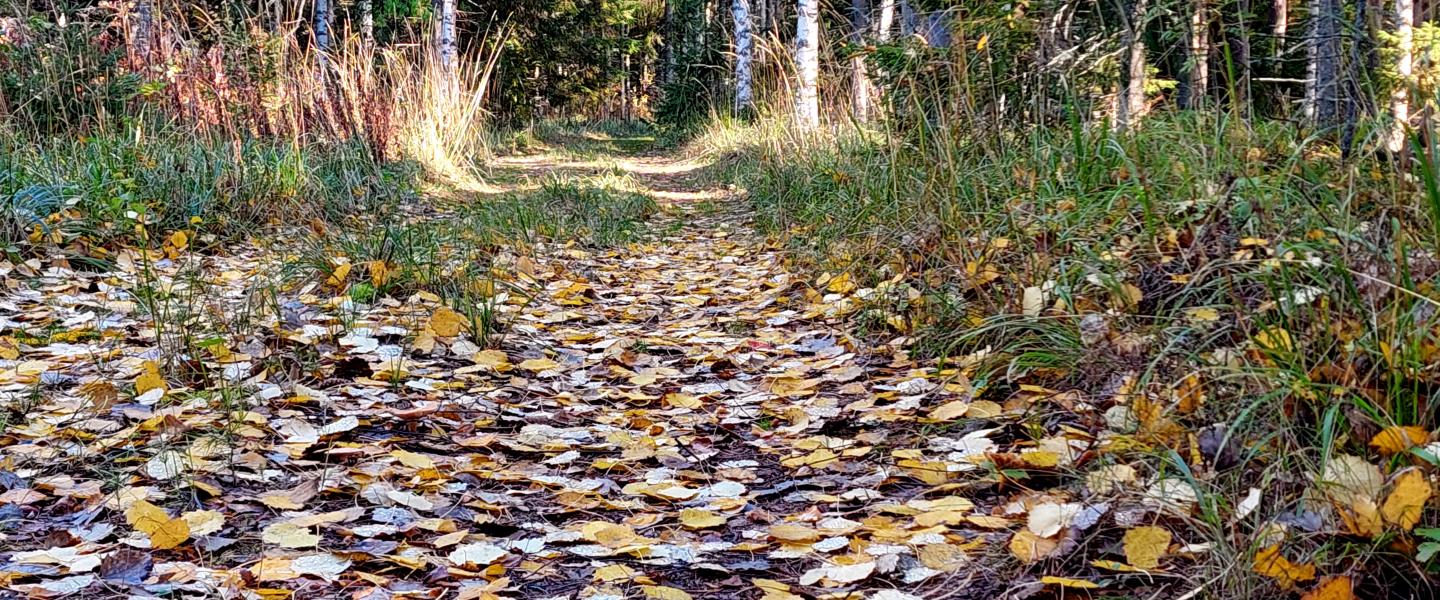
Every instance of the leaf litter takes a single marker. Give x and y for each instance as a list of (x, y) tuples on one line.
[(672, 419)]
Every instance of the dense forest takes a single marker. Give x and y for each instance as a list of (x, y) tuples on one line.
[(678, 299)]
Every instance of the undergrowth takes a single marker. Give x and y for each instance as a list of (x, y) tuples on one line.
[(1203, 275)]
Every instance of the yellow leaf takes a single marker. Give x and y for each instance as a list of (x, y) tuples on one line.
[(1332, 588), (150, 379), (164, 532), (1203, 314), (1270, 563), (678, 400), (280, 501), (660, 592), (950, 411), (413, 460), (820, 458), (1399, 438), (446, 322), (338, 275), (695, 518), (179, 240), (774, 590), (1407, 500), (1274, 339), (379, 272), (537, 365), (289, 535), (794, 533), (613, 573), (1144, 546), (1069, 583), (613, 535), (1029, 547), (204, 522), (1115, 565), (492, 359)]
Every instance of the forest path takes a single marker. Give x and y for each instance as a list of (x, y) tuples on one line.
[(678, 416), (707, 426)]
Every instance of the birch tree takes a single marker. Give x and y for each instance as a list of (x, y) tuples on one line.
[(807, 62), (886, 22), (445, 38), (367, 24), (1281, 28), (744, 55), (1199, 63), (1404, 16)]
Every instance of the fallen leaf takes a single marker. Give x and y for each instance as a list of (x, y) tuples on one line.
[(289, 535), (1144, 546), (1270, 563), (165, 532), (1407, 499), (1332, 588), (1399, 438)]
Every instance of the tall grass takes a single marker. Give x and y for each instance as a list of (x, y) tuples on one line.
[(1296, 285), (233, 118)]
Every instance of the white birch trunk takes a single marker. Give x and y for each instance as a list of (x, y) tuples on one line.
[(1282, 25), (367, 24), (446, 39), (886, 24), (1200, 54), (1404, 69), (744, 56), (807, 61)]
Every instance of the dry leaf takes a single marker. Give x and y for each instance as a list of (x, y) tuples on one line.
[(1270, 563), (1332, 588), (1407, 499), (1145, 546), (165, 532), (1394, 440)]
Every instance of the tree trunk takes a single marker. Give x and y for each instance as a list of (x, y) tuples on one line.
[(1241, 57), (446, 39), (860, 88), (143, 37), (907, 19), (807, 61), (1281, 27), (367, 24), (744, 56), (886, 24), (937, 30), (1130, 103), (1404, 69), (667, 49), (1199, 80), (1325, 52), (322, 28)]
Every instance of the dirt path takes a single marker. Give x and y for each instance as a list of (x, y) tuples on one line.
[(674, 418)]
